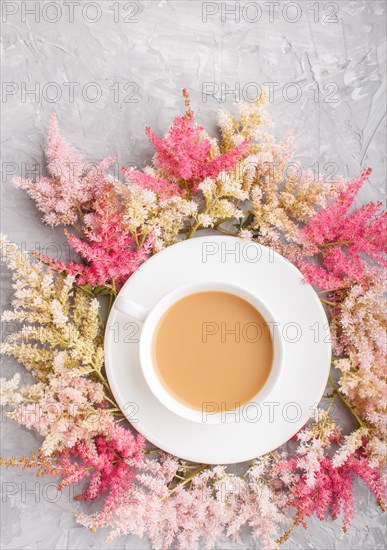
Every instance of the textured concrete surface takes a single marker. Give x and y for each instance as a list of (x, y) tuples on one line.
[(109, 69)]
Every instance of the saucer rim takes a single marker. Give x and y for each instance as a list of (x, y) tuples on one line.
[(155, 439)]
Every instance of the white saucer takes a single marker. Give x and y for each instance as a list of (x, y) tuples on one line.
[(307, 350)]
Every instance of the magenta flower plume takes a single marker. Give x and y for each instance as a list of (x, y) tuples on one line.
[(343, 238), (322, 485), (72, 183), (109, 462), (185, 157), (110, 251), (163, 187), (332, 491)]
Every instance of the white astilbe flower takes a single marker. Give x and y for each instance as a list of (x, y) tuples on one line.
[(8, 390), (351, 443)]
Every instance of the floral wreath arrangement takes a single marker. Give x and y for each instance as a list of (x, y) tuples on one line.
[(238, 185)]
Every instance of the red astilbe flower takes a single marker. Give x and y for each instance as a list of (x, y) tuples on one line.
[(109, 249), (110, 465), (109, 462), (184, 157), (331, 491), (342, 239), (72, 183), (164, 188)]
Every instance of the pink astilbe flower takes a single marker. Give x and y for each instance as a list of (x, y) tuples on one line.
[(185, 157), (359, 325), (109, 249), (320, 484), (72, 182), (66, 410), (163, 187), (332, 491), (342, 238), (109, 462), (172, 515)]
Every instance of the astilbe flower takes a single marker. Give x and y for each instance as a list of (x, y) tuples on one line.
[(358, 327), (107, 458), (146, 214), (111, 253), (71, 184), (247, 126), (109, 461), (60, 342), (51, 316), (282, 195), (359, 324), (319, 482), (170, 514), (341, 239), (64, 410), (184, 158), (332, 491), (284, 198)]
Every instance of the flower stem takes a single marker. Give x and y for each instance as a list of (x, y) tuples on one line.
[(344, 400), (203, 210), (103, 381), (111, 402), (331, 402), (329, 303), (78, 229), (252, 464), (80, 213), (226, 232), (222, 220), (336, 243), (286, 535), (188, 479), (193, 229), (149, 452)]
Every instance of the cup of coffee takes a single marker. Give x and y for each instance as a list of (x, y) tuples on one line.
[(208, 348)]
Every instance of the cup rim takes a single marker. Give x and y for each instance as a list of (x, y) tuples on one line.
[(148, 368)]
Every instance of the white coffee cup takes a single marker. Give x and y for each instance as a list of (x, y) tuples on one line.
[(150, 319)]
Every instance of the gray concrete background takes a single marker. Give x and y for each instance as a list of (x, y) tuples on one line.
[(109, 69)]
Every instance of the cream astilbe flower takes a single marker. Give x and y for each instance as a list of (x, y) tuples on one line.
[(52, 316), (282, 195), (351, 443), (221, 196), (147, 214), (8, 389), (231, 186), (251, 118)]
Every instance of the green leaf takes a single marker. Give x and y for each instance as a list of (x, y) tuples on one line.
[(257, 233), (248, 221), (244, 224)]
